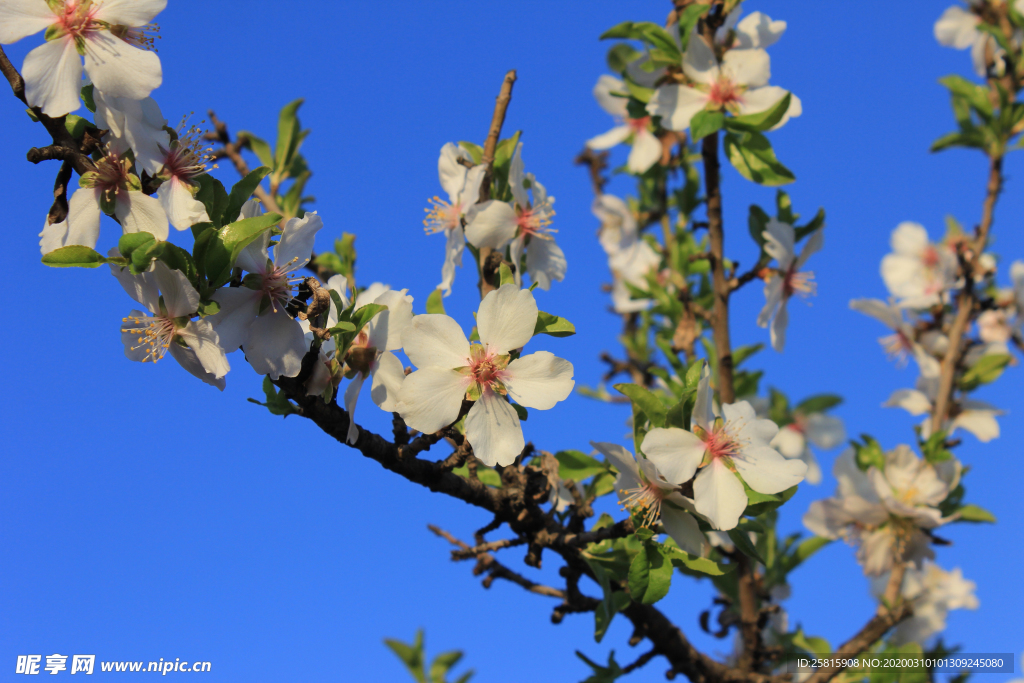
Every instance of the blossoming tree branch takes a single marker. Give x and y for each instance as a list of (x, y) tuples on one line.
[(711, 455)]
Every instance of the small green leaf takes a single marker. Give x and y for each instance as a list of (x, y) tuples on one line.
[(818, 403), (487, 476), (752, 155), (76, 125), (365, 314), (288, 134), (435, 303), (987, 369), (88, 99), (974, 513), (213, 196), (644, 400), (505, 275), (761, 121), (411, 655), (521, 412), (277, 403), (803, 551), (553, 325), (705, 123), (744, 544), (74, 256), (238, 235), (650, 575), (703, 565), (241, 193), (577, 466), (259, 147)]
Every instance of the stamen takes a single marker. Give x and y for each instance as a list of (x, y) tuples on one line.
[(441, 216), (644, 500), (155, 335), (187, 158)]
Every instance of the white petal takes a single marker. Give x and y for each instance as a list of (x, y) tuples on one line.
[(758, 30), (276, 345), (138, 287), (757, 100), (141, 213), (296, 243), (742, 420), (388, 378), (516, 177), (957, 28), (812, 246), (772, 297), (675, 452), (719, 495), (699, 63), (187, 359), (182, 209), (430, 398), (779, 242), (453, 248), (616, 136), (129, 12), (682, 527), (492, 428), (545, 262), (251, 209), (789, 442), (238, 309), (539, 380), (83, 218), (813, 475), (645, 153), (515, 253), (766, 471), (22, 18), (676, 105), (622, 460), (703, 409), (747, 67), (180, 298), (119, 69), (53, 77), (471, 191), (433, 340), (320, 379), (203, 341), (909, 239), (253, 259), (506, 318), (491, 224), (606, 85), (911, 400), (450, 172), (825, 431), (351, 397), (52, 236), (386, 328), (981, 423), (778, 329)]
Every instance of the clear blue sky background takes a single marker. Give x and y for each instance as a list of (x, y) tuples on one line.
[(145, 515)]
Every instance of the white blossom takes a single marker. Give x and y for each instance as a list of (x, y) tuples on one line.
[(788, 279), (793, 440), (253, 316), (739, 85), (463, 187), (108, 33), (958, 28), (137, 125), (976, 417), (181, 162), (885, 512), (721, 449), (170, 300), (918, 272), (932, 592), (902, 343), (450, 369), (646, 489), (612, 95)]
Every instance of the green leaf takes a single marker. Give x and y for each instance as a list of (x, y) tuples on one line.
[(88, 97), (639, 92), (241, 192), (74, 256), (693, 374), (442, 664), (259, 147), (761, 121), (620, 56), (757, 222), (435, 302), (365, 314), (577, 466), (623, 30), (705, 123), (818, 403), (744, 544), (650, 575), (505, 275), (804, 551), (76, 125), (644, 400), (988, 369), (474, 150), (238, 235), (976, 95), (521, 412), (688, 19), (703, 565), (602, 674), (660, 38), (760, 503), (411, 655), (745, 352), (487, 476), (213, 196), (287, 135), (277, 403), (612, 602), (553, 325), (974, 139), (973, 513), (752, 155)]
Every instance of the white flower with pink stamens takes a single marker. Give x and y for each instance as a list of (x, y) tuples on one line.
[(793, 440), (738, 84), (463, 187), (182, 161), (717, 450), (612, 95), (171, 301), (112, 189), (450, 369), (787, 279), (108, 33), (918, 272), (653, 494), (901, 344), (137, 125), (524, 224), (254, 316)]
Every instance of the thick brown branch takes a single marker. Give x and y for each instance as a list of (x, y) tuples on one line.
[(12, 76), (872, 631)]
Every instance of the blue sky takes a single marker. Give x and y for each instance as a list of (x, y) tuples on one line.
[(146, 515)]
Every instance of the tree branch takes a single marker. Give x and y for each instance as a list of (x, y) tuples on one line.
[(485, 262)]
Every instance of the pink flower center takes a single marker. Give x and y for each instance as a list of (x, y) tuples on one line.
[(78, 18), (724, 92), (797, 282), (534, 221), (930, 256), (187, 158), (155, 334), (442, 216), (277, 286), (720, 443), (638, 125), (486, 368)]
